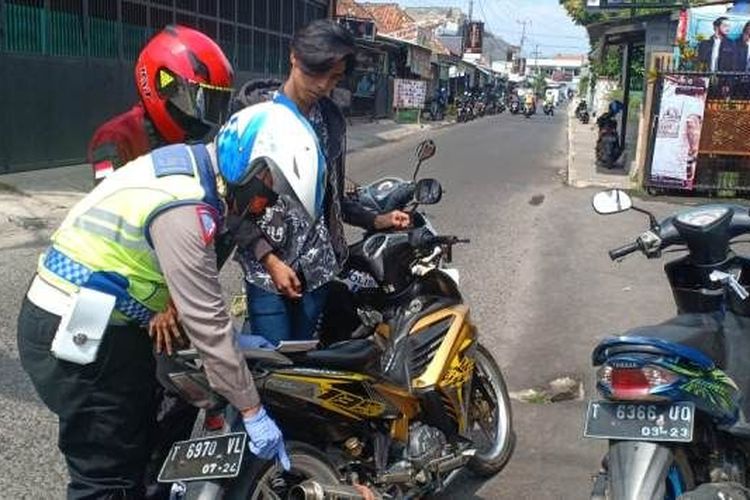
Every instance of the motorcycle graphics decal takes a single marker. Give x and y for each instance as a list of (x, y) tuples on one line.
[(459, 373), (713, 386), (349, 397), (352, 403)]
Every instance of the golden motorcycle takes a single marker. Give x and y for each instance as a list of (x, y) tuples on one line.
[(394, 413)]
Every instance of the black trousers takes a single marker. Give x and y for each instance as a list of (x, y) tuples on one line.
[(106, 409)]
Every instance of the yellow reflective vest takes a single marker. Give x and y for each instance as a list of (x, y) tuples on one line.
[(104, 244)]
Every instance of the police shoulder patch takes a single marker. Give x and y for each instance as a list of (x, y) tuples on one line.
[(207, 223), (172, 160)]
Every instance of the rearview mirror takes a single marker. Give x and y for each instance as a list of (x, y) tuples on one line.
[(428, 192), (425, 150), (612, 201)]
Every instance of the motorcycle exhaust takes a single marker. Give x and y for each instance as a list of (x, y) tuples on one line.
[(638, 469), (313, 490)]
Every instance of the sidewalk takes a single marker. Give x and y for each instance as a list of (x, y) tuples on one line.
[(33, 203), (582, 169)]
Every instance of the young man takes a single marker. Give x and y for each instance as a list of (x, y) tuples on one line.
[(288, 264), (718, 53), (145, 234)]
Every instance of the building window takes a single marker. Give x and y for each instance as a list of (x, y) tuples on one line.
[(134, 29)]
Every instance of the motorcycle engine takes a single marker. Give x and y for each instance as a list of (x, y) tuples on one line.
[(425, 443)]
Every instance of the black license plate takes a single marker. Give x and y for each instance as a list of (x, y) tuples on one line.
[(204, 458), (640, 421)]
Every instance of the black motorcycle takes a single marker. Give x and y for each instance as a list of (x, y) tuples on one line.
[(582, 112), (549, 109), (675, 404), (515, 107), (608, 147)]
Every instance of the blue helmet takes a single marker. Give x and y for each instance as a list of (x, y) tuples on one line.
[(615, 107), (270, 150)]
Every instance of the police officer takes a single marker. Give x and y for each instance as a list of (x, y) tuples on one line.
[(146, 233), (184, 83)]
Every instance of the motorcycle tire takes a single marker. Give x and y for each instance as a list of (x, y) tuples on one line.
[(263, 475), (488, 377)]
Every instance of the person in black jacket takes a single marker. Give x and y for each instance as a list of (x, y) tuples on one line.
[(718, 53), (287, 264), (743, 49)]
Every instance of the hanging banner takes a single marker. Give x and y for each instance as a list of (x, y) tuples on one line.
[(409, 94), (678, 135), (726, 129), (717, 39)]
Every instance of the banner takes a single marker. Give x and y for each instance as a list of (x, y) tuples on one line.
[(717, 40), (474, 35), (409, 94), (678, 135), (726, 128)]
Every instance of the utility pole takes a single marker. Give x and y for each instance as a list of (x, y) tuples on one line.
[(523, 32), (471, 9), (536, 55)]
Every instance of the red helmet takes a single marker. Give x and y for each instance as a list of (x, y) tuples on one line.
[(185, 83)]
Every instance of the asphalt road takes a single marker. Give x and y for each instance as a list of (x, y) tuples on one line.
[(537, 276)]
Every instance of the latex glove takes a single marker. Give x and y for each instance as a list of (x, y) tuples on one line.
[(266, 441)]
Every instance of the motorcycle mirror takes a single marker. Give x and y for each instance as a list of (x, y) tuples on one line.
[(425, 150), (611, 202), (428, 192)]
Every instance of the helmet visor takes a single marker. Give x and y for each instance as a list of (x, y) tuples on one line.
[(206, 103)]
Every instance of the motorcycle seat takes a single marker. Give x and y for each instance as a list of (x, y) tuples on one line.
[(346, 355), (702, 332)]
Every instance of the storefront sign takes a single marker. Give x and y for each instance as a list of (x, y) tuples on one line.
[(679, 131), (474, 35), (717, 40), (409, 94)]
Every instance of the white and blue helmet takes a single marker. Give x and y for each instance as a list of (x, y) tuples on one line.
[(273, 143)]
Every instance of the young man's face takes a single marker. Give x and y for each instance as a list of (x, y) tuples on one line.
[(316, 86), (723, 29)]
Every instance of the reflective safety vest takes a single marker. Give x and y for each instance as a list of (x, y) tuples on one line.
[(104, 241)]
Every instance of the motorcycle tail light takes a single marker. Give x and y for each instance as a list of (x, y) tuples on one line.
[(213, 422), (634, 383), (629, 383)]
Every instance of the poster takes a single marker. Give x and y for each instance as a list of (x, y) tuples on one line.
[(678, 135), (716, 39), (726, 128), (409, 94), (474, 35)]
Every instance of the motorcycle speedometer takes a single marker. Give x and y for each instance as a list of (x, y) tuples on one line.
[(702, 216)]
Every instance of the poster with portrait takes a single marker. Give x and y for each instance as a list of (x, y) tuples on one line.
[(716, 39), (679, 129)]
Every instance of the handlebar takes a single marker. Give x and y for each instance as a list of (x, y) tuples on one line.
[(619, 253)]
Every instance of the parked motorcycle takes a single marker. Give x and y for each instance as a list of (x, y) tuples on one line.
[(674, 401), (515, 107), (582, 112), (464, 108), (396, 412), (549, 109), (528, 110), (608, 147)]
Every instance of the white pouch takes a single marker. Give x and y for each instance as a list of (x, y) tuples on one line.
[(82, 328)]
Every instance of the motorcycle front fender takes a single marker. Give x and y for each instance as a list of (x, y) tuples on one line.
[(638, 470)]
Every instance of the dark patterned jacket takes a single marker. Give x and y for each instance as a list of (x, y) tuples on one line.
[(271, 233)]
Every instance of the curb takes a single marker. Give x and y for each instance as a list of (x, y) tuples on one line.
[(379, 141)]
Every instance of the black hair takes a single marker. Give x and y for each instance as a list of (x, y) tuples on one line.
[(321, 44), (720, 20), (744, 28)]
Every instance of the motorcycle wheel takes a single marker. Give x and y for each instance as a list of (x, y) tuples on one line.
[(266, 480), (490, 420)]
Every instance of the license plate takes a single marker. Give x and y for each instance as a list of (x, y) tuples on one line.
[(204, 458), (640, 422)]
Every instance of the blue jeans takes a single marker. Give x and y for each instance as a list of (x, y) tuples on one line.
[(278, 318)]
